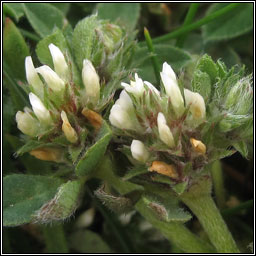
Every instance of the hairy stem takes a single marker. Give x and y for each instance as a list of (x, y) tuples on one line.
[(218, 184), (199, 200), (175, 232)]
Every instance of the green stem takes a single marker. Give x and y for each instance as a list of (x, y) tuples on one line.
[(195, 25), (218, 184), (199, 200), (175, 232), (154, 59), (55, 239), (188, 19)]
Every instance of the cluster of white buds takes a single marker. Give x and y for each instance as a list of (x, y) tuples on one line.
[(51, 94), (163, 119)]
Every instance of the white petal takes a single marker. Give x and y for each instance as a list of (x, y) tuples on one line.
[(124, 101), (120, 118), (33, 78), (196, 102), (91, 81), (173, 91), (152, 87), (39, 109), (165, 133), (60, 65), (139, 151), (51, 78), (26, 123), (167, 69)]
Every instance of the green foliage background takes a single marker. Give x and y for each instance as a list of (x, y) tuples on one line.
[(94, 229)]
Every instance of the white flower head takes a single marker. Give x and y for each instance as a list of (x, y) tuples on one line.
[(33, 78), (172, 89), (68, 130), (165, 133), (27, 124), (139, 151), (59, 62), (135, 87), (51, 78), (196, 103), (39, 109), (91, 82)]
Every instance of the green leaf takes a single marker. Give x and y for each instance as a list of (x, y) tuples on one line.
[(92, 156), (242, 148), (14, 9), (30, 145), (135, 172), (201, 83), (24, 194), (180, 187), (166, 211), (43, 17), (208, 66), (84, 39), (235, 23), (176, 57), (86, 241), (62, 205), (126, 14), (64, 7), (15, 50), (118, 204)]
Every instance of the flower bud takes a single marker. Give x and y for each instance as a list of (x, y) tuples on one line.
[(139, 151), (198, 146), (165, 133), (68, 130), (94, 118), (164, 169), (33, 78), (47, 154), (196, 102), (51, 78), (172, 89), (39, 109), (239, 100), (120, 118), (135, 87), (91, 82), (26, 123), (59, 62)]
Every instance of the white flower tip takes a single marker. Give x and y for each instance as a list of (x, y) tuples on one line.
[(167, 69), (161, 119), (139, 151)]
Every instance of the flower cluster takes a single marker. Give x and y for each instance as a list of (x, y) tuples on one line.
[(60, 111), (170, 131)]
